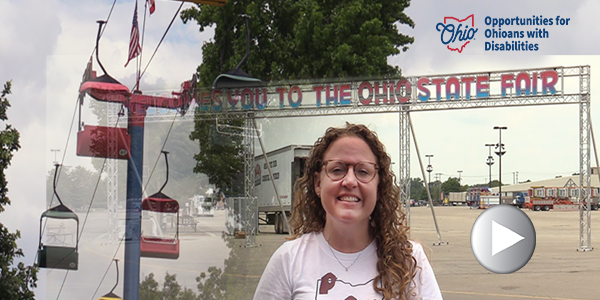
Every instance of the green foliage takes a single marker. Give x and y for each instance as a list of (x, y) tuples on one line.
[(302, 39), (16, 282), (221, 155), (149, 288), (494, 183), (417, 189), (213, 286), (451, 185), (210, 287), (290, 40)]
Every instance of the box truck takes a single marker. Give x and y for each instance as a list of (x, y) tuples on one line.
[(287, 165)]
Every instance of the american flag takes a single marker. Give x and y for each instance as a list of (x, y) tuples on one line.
[(134, 41), (152, 5)]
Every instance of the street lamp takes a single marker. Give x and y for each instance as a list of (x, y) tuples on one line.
[(500, 151), (490, 161), (429, 170), (459, 172)]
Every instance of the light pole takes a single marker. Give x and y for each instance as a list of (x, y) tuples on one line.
[(500, 151), (459, 172), (429, 170), (490, 161), (429, 167)]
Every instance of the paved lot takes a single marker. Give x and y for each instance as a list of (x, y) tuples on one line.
[(556, 271)]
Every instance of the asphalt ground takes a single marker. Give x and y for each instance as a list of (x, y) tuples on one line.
[(556, 270)]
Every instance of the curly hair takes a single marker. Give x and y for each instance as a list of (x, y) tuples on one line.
[(395, 264)]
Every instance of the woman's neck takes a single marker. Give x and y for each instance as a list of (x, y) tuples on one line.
[(347, 239)]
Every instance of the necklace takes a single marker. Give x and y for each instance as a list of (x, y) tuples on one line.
[(338, 260)]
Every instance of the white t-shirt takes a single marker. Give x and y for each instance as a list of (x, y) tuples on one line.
[(305, 268)]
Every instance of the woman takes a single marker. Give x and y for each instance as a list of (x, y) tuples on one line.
[(349, 240)]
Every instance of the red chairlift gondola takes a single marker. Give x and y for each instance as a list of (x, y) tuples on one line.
[(57, 253), (160, 207), (101, 141)]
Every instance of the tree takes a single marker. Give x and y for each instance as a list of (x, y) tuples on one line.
[(16, 282), (210, 287), (494, 183), (221, 156), (417, 189), (451, 185), (291, 40)]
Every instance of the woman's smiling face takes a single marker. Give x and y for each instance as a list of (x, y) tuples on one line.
[(348, 200)]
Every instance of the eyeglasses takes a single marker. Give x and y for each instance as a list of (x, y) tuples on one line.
[(363, 171)]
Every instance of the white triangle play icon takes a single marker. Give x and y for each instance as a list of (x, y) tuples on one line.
[(503, 238)]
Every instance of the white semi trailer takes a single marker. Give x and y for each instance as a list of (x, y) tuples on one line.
[(457, 198), (287, 165)]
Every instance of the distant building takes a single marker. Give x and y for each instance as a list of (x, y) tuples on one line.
[(509, 191)]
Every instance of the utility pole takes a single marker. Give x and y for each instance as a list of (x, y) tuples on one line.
[(500, 151)]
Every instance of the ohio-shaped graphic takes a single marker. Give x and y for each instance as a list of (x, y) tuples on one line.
[(456, 33)]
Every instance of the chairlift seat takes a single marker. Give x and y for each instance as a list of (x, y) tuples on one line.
[(110, 296), (58, 257), (94, 141), (106, 88), (157, 247)]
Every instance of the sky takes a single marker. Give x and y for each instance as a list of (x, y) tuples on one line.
[(45, 60)]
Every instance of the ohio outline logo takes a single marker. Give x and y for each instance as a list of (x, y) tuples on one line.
[(451, 33)]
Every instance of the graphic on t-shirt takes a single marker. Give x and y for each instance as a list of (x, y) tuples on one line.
[(330, 287)]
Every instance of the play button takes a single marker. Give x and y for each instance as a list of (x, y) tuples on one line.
[(503, 239)]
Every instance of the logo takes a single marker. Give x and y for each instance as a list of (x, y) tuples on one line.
[(455, 33)]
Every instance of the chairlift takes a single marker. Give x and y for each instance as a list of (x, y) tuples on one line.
[(152, 244), (101, 141), (58, 255), (110, 295)]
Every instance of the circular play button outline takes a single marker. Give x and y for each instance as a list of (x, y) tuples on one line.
[(503, 239)]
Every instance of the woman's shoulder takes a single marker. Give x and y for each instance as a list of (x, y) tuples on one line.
[(299, 243), (417, 249)]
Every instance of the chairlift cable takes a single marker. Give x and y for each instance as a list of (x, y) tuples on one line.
[(107, 269), (57, 176), (89, 208), (95, 188), (161, 150), (157, 46)]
